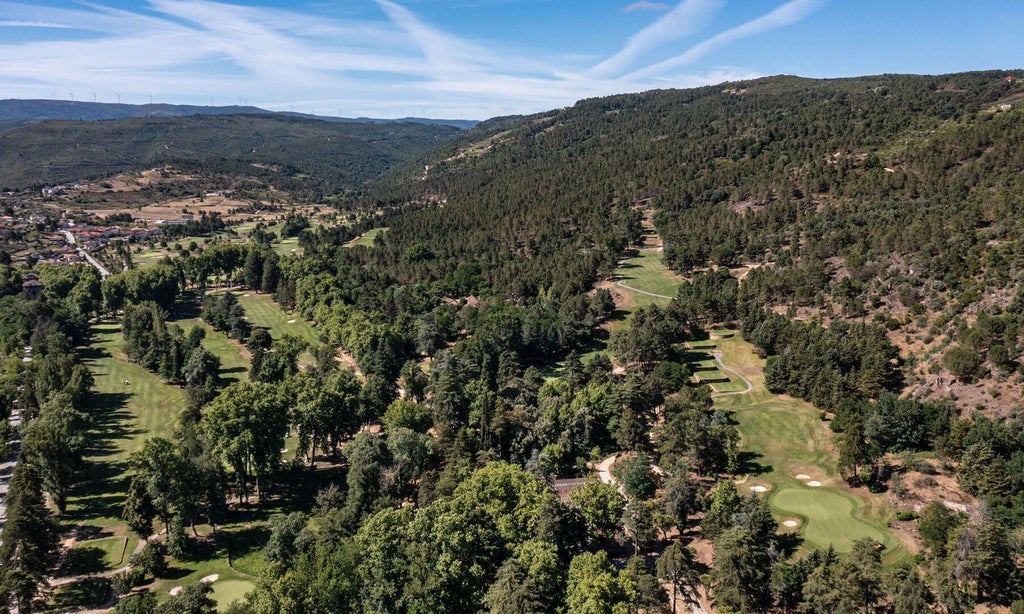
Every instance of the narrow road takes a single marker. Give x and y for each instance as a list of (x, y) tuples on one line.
[(604, 469), (718, 358), (99, 267)]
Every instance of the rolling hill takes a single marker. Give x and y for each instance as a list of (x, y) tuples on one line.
[(19, 112), (328, 156), (893, 199)]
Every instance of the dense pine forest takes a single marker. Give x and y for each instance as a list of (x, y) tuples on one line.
[(482, 418)]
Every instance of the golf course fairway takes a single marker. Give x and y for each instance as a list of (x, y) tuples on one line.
[(793, 463)]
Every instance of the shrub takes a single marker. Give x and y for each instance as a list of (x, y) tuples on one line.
[(124, 581), (962, 363)]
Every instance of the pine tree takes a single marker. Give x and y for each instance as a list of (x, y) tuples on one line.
[(28, 543)]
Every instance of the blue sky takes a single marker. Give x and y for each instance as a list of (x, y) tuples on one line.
[(475, 59)]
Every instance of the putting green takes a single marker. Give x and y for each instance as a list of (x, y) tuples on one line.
[(227, 591), (829, 517)]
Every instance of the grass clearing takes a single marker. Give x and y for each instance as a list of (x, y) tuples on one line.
[(234, 362), (729, 386), (636, 279), (288, 247), (644, 275), (261, 310), (366, 239), (126, 414)]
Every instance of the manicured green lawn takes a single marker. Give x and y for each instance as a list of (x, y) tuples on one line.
[(729, 386), (233, 364), (636, 275), (126, 415), (229, 585), (706, 374), (150, 256), (645, 272), (829, 516), (783, 438), (367, 238), (96, 555), (288, 247), (261, 310), (129, 405)]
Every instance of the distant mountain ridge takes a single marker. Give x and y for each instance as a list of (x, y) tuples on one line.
[(312, 156), (21, 111)]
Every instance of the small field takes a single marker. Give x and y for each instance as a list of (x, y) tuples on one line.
[(261, 310), (234, 360), (366, 239), (789, 451), (646, 279), (288, 247)]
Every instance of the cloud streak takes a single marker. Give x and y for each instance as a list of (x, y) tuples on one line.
[(688, 18), (646, 6), (785, 15), (387, 62)]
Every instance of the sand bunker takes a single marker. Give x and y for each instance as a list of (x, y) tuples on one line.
[(814, 483), (245, 296), (802, 476), (175, 591), (790, 523), (291, 321), (210, 578), (759, 488)]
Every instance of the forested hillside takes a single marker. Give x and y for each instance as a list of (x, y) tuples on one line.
[(892, 198), (450, 400), (328, 157)]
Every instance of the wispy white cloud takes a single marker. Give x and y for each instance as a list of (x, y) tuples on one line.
[(644, 5), (686, 19), (386, 63), (785, 15), (33, 24)]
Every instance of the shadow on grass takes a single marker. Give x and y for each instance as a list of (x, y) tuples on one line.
[(99, 493), (84, 560), (242, 542), (176, 573), (86, 533), (88, 593), (748, 464), (224, 372)]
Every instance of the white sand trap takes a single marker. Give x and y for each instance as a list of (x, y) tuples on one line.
[(291, 321), (814, 483), (210, 578), (175, 591), (802, 476), (245, 296), (790, 523), (759, 488)]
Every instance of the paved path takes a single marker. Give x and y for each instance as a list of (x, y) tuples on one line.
[(718, 358), (99, 267), (604, 469), (622, 284)]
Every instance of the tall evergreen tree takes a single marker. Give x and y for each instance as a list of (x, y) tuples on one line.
[(28, 544)]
